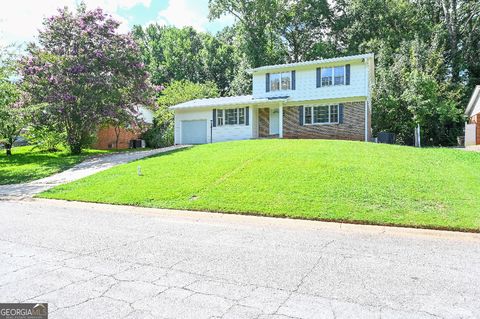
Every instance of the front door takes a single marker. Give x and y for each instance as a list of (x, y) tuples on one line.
[(274, 123)]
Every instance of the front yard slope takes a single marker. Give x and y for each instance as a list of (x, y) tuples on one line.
[(312, 179)]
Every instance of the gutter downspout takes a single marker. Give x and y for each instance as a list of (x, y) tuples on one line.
[(366, 121), (280, 120)]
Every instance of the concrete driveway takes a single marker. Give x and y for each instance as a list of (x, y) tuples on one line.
[(102, 261), (88, 167)]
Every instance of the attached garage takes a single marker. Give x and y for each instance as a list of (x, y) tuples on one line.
[(194, 132)]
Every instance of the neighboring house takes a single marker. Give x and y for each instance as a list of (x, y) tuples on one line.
[(472, 127), (107, 136), (327, 99)]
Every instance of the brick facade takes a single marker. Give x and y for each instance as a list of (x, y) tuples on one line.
[(263, 122), (106, 138), (476, 120), (352, 128)]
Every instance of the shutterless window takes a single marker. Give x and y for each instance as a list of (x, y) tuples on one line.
[(323, 114), (231, 116), (280, 81)]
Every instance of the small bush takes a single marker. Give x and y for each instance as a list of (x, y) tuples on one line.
[(46, 139), (157, 136)]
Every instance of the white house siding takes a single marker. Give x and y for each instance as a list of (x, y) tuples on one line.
[(220, 133), (306, 85)]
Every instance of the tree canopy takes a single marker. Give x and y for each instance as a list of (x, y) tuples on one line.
[(84, 72)]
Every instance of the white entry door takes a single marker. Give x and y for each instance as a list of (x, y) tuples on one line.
[(274, 121)]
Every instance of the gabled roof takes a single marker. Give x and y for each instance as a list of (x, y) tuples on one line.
[(312, 63), (474, 101), (225, 101)]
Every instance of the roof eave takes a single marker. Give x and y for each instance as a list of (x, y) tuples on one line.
[(472, 101), (311, 63), (246, 103)]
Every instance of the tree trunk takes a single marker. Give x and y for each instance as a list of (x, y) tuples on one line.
[(117, 136), (451, 22), (75, 148), (8, 149)]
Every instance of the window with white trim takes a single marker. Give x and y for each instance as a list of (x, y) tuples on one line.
[(333, 76), (230, 116), (322, 114), (219, 117), (281, 81)]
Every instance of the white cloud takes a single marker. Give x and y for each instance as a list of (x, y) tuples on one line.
[(181, 13), (20, 19)]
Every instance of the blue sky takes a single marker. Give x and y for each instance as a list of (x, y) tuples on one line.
[(20, 19)]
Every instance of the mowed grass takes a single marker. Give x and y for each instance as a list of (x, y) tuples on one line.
[(312, 179), (26, 164)]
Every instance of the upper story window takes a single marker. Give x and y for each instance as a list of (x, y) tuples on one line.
[(230, 116), (333, 76), (280, 81)]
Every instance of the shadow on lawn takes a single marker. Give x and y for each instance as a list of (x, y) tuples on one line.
[(27, 166)]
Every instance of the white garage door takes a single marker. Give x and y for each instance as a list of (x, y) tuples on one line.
[(194, 132)]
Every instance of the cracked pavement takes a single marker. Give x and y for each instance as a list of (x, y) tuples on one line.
[(92, 260)]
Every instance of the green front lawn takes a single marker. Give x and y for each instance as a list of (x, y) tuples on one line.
[(314, 179), (26, 164)]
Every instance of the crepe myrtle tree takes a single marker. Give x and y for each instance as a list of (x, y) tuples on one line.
[(85, 72), (13, 114)]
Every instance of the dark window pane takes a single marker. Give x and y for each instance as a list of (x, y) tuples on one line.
[(308, 115), (334, 113), (231, 116), (320, 114), (241, 116), (219, 117)]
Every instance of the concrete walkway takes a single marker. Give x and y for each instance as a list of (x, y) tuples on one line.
[(88, 167), (102, 261)]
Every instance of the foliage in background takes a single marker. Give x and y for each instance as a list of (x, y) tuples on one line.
[(426, 52), (45, 139), (161, 133), (173, 54), (13, 113), (84, 72)]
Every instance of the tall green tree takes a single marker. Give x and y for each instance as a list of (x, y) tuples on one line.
[(174, 54), (13, 112)]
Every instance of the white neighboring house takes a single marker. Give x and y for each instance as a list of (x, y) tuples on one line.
[(328, 98), (472, 127)]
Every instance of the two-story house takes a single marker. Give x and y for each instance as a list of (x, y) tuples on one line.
[(327, 99)]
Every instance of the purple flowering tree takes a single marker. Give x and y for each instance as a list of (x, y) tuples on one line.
[(85, 73), (13, 114)]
